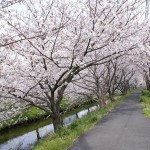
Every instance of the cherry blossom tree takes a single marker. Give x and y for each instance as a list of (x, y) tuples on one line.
[(7, 3), (48, 43), (103, 82), (91, 84), (143, 63)]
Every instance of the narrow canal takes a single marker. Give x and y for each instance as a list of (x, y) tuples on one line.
[(26, 136)]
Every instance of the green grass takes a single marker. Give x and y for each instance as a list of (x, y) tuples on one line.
[(33, 113), (145, 99), (30, 114), (65, 136)]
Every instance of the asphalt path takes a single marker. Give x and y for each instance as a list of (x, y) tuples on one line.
[(125, 128)]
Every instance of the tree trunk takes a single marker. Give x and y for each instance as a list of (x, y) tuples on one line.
[(148, 86), (57, 121), (102, 102), (111, 96), (147, 83), (56, 117)]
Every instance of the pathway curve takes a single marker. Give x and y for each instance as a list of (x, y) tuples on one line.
[(125, 128)]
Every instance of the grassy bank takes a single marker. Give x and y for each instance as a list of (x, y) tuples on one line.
[(34, 114), (145, 99), (31, 114), (67, 135)]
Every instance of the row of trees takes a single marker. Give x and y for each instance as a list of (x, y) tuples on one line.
[(52, 46), (103, 82)]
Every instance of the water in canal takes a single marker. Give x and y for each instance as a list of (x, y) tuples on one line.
[(25, 137)]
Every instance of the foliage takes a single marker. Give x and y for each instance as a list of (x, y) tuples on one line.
[(64, 104), (33, 113), (30, 114), (145, 93), (145, 99)]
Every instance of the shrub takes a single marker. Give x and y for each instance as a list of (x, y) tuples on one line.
[(62, 131), (73, 125), (146, 93)]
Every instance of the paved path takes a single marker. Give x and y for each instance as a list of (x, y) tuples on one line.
[(125, 128)]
